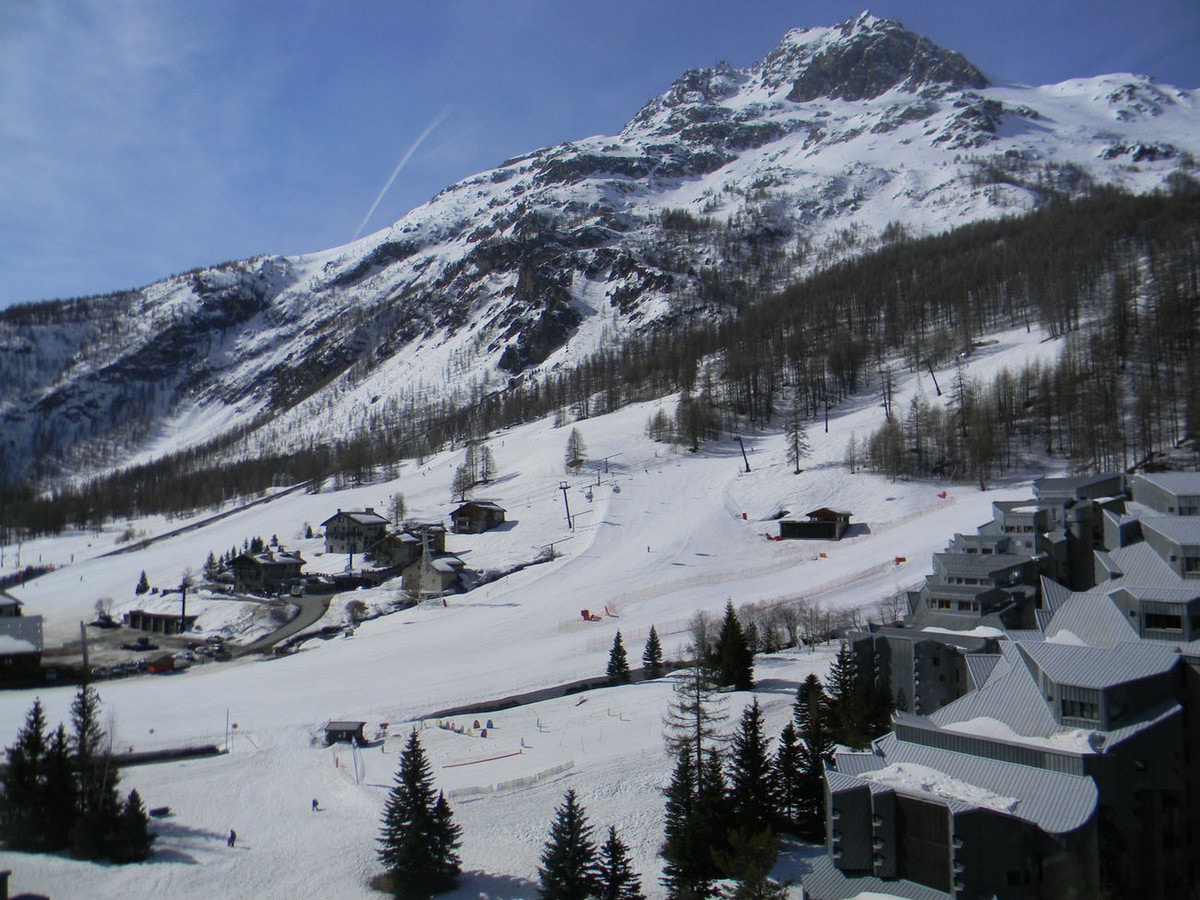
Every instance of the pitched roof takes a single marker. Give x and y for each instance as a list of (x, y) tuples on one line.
[(1101, 667), (1183, 530), (360, 517), (481, 504), (1174, 482), (1093, 619)]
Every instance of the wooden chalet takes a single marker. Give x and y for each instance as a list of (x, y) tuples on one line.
[(267, 573), (433, 575), (399, 550), (476, 516), (820, 525), (353, 531)]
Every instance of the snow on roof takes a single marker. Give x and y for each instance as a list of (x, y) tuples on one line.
[(979, 631), (1055, 801), (1073, 740), (362, 517), (11, 646), (917, 779)]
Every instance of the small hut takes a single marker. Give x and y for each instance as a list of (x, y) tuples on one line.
[(820, 525), (344, 732)]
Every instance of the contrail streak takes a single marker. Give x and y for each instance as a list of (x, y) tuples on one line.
[(438, 119)]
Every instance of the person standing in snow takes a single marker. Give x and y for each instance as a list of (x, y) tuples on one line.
[(232, 837), (316, 805)]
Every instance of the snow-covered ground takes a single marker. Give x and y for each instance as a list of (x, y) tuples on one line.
[(661, 534)]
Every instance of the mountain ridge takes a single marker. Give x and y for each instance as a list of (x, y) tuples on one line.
[(728, 175)]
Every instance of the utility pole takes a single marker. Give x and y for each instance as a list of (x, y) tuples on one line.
[(934, 377), (87, 671), (562, 486), (745, 459), (183, 586)]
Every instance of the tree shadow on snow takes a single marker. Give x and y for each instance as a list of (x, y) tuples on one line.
[(775, 686), (175, 833), (478, 885)]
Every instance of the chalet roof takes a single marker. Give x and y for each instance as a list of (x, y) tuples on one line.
[(1101, 667), (7, 599), (825, 513), (268, 558), (344, 725), (359, 517), (480, 504)]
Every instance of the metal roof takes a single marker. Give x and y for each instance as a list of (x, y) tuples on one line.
[(1054, 801), (1174, 482), (1182, 530), (1094, 619), (980, 563), (825, 881), (1101, 667), (980, 666), (1010, 695)]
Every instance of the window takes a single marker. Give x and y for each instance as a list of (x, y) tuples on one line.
[(1163, 622)]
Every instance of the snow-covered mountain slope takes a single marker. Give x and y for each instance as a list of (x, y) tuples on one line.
[(760, 174), (665, 534)]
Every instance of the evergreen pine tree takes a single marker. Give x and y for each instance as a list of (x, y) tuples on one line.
[(652, 658), (61, 796), (733, 657), (568, 870), (618, 662), (132, 840), (785, 779), (846, 715), (99, 807), (444, 843), (811, 714), (21, 813), (616, 879), (143, 584), (751, 806), (710, 820), (686, 869), (418, 838), (750, 859)]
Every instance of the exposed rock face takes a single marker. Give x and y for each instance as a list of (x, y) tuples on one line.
[(875, 56), (730, 183)]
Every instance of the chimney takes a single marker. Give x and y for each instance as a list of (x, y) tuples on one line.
[(371, 510)]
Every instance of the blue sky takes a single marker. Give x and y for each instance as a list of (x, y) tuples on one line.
[(139, 138)]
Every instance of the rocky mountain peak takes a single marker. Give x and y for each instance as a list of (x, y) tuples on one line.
[(863, 58)]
